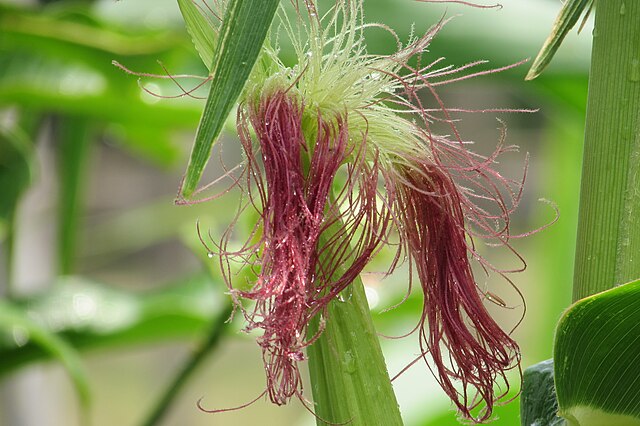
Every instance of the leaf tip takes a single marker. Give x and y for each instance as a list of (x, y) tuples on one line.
[(533, 73)]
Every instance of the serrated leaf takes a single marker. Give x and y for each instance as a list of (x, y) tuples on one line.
[(569, 15), (203, 35), (243, 32), (597, 354), (16, 322)]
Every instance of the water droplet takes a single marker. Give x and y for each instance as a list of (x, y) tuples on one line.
[(634, 74), (309, 54), (375, 76), (322, 320), (346, 294), (349, 362), (210, 255), (296, 356), (20, 336), (623, 9)]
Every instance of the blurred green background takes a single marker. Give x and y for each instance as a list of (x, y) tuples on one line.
[(95, 256)]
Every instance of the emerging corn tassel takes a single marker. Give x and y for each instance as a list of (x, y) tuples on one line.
[(298, 277), (342, 152)]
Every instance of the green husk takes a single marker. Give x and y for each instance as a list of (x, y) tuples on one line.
[(349, 378)]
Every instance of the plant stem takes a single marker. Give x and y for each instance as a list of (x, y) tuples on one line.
[(608, 245), (349, 378), (164, 403), (8, 290), (74, 138)]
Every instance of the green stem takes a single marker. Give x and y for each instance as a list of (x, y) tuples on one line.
[(608, 245), (349, 378), (17, 156), (164, 403), (75, 138), (9, 245)]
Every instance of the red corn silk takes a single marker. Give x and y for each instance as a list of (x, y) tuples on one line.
[(293, 178)]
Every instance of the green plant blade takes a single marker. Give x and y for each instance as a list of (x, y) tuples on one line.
[(597, 353), (202, 34), (569, 15), (13, 320), (243, 32), (538, 402)]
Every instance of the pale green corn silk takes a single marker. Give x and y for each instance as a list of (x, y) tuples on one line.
[(335, 76)]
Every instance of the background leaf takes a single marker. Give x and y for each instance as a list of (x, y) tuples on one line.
[(91, 315), (16, 322)]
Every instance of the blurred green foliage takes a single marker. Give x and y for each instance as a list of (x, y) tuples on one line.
[(16, 169)]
